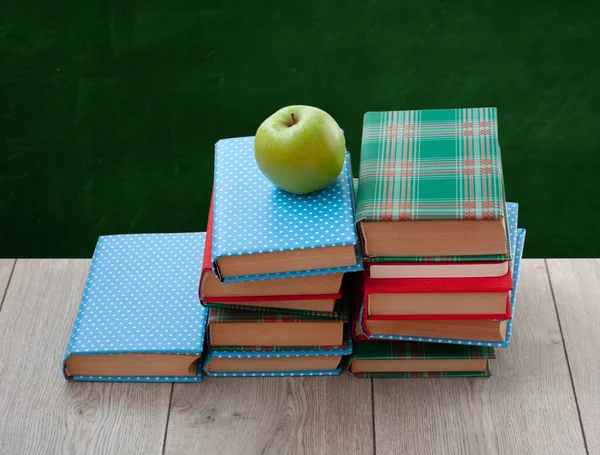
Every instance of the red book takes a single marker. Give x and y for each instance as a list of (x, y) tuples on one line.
[(312, 293), (437, 298)]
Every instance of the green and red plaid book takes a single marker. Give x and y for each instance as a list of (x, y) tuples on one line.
[(234, 328), (404, 359), (250, 361), (317, 314), (431, 185)]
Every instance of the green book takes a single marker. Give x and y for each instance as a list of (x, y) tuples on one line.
[(234, 328), (431, 185), (337, 310), (407, 359)]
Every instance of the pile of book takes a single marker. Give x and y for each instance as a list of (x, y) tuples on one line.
[(274, 270), (441, 245), (410, 270)]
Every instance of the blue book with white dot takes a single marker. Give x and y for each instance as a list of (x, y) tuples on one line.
[(140, 318), (263, 232)]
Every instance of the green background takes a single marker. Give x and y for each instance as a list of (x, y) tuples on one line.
[(109, 110)]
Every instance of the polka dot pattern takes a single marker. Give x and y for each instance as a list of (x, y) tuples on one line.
[(280, 374), (252, 216), (141, 296)]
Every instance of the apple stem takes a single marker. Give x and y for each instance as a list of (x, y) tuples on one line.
[(293, 119)]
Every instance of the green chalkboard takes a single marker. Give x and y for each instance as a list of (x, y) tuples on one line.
[(109, 110)]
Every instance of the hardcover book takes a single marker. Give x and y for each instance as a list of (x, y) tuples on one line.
[(252, 328), (467, 332), (438, 298), (431, 184), (251, 361), (441, 298), (494, 264), (260, 230), (301, 294), (406, 359), (140, 319)]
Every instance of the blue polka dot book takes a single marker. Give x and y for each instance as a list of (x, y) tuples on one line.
[(140, 319), (271, 250), (261, 232), (314, 295)]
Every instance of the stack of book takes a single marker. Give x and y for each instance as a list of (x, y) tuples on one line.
[(273, 271), (441, 245)]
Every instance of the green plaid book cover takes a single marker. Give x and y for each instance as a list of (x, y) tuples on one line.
[(482, 258), (229, 315), (433, 374), (410, 350), (442, 164), (303, 350), (317, 314)]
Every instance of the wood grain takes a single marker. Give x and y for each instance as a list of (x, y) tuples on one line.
[(576, 285), (42, 413), (526, 407), (6, 267), (272, 416)]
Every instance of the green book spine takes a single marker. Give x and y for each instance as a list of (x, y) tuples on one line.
[(410, 350), (316, 314), (440, 374), (225, 315)]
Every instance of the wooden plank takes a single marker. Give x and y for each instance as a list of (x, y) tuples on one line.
[(576, 286), (42, 412), (526, 406), (6, 267), (274, 415)]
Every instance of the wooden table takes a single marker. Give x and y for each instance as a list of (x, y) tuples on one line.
[(543, 396)]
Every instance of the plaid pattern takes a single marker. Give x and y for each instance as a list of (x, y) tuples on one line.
[(405, 350), (430, 165), (432, 374), (316, 314), (229, 315), (483, 258)]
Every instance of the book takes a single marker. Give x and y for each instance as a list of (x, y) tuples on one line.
[(406, 359), (441, 298), (250, 328), (316, 293), (471, 261), (319, 308), (140, 319), (261, 230), (502, 330), (253, 361), (438, 298), (431, 184), (405, 270)]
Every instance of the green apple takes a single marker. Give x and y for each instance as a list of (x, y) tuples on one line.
[(300, 149)]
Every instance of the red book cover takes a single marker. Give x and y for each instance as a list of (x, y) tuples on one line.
[(501, 284), (434, 285), (207, 268)]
